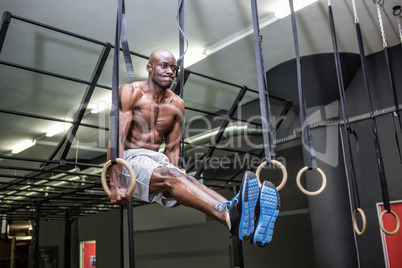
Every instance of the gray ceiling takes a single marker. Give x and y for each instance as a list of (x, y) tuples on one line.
[(152, 25)]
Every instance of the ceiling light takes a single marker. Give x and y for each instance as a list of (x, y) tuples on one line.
[(193, 56), (237, 36), (283, 10), (19, 147), (98, 107), (57, 128)]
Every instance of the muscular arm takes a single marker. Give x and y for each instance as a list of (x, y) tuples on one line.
[(172, 149), (127, 97)]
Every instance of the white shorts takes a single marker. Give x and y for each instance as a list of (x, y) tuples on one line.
[(144, 162)]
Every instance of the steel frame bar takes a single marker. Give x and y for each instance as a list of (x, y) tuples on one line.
[(5, 22), (70, 136), (35, 70), (48, 118), (281, 118), (222, 129), (69, 33)]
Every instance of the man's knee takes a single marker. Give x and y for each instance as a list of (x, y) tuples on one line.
[(169, 176)]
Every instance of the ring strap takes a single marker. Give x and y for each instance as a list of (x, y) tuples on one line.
[(180, 63), (120, 36), (124, 41), (380, 161), (346, 126), (396, 114), (265, 107), (308, 148)]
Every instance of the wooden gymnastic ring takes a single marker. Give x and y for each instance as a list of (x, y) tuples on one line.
[(324, 182), (382, 225), (279, 164), (364, 222), (183, 170), (130, 170)]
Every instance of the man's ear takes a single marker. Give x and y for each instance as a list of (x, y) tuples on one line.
[(149, 68)]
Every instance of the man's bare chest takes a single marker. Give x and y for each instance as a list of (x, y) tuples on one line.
[(150, 115)]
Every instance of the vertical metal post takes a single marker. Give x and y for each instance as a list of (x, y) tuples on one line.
[(181, 45), (36, 241), (130, 217), (236, 253), (181, 74), (5, 22), (121, 237), (67, 240), (12, 259), (237, 246)]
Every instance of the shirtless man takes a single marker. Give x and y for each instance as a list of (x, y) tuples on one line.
[(151, 113)]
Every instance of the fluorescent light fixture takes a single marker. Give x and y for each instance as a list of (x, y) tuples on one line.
[(193, 56), (97, 107), (237, 36), (21, 146), (57, 128), (283, 10)]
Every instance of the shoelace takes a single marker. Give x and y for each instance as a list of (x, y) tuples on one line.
[(227, 203)]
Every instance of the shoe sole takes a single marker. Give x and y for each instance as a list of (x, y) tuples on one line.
[(249, 197), (269, 210)]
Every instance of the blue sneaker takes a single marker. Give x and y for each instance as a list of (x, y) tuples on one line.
[(242, 207), (267, 210)]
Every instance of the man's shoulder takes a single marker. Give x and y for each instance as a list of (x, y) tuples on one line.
[(175, 98), (133, 88)]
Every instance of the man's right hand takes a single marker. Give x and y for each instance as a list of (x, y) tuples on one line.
[(118, 195)]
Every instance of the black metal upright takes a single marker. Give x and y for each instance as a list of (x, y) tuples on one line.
[(36, 241), (67, 240), (130, 217), (121, 236), (182, 78)]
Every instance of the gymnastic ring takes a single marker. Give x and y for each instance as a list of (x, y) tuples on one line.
[(183, 170), (282, 167), (324, 182), (364, 222), (382, 225), (130, 170), (396, 10)]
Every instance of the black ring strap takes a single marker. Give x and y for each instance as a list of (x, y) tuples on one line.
[(380, 161), (346, 126), (308, 148), (265, 107)]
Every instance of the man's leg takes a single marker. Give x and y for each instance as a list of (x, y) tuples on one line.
[(237, 214), (209, 191), (186, 192)]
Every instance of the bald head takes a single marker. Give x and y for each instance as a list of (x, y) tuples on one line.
[(159, 54), (162, 68)]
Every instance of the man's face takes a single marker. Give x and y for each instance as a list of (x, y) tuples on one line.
[(162, 70)]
